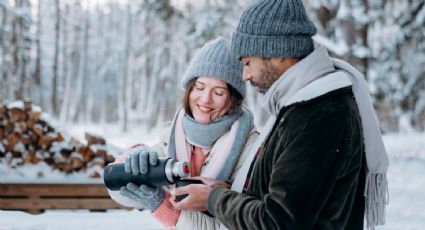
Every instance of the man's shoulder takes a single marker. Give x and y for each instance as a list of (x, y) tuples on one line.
[(334, 104)]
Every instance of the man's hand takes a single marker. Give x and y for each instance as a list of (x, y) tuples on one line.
[(197, 194), (195, 201)]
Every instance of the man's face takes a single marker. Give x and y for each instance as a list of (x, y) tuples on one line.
[(260, 72), (263, 72)]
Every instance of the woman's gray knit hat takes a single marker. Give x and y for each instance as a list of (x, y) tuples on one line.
[(274, 28), (216, 60)]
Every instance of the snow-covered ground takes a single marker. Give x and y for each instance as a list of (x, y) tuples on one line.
[(406, 182), (406, 187), (78, 220)]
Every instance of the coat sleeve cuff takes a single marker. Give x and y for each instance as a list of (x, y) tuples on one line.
[(213, 197)]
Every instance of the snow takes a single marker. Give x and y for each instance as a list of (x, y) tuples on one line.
[(406, 188), (337, 47), (114, 135), (81, 220), (406, 182), (407, 194)]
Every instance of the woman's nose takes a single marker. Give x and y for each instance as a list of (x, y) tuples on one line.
[(206, 97)]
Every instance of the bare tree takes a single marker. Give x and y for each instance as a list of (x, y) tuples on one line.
[(38, 56), (21, 45), (55, 67), (64, 112), (4, 51)]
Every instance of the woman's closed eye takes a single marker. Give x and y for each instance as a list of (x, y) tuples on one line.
[(199, 86), (220, 92)]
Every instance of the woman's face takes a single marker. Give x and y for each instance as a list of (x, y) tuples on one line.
[(209, 99)]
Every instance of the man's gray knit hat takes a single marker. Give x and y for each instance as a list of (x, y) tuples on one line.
[(274, 28), (216, 60)]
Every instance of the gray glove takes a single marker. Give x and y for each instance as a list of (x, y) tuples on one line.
[(148, 197), (137, 160), (136, 163)]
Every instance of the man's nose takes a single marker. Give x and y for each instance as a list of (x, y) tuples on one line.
[(246, 75)]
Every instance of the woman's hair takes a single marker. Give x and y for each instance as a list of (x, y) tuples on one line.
[(236, 98)]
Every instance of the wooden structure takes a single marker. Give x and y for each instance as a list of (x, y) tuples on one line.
[(35, 198)]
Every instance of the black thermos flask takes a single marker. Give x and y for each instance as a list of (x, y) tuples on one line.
[(166, 172)]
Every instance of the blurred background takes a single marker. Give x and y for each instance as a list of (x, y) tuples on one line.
[(103, 61), (97, 76)]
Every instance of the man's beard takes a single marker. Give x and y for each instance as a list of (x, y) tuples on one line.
[(268, 76)]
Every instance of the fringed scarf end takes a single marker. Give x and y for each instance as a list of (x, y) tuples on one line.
[(377, 197)]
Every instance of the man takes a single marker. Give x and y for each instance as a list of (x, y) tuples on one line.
[(320, 162)]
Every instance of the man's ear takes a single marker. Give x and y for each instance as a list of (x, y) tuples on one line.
[(286, 60), (280, 60), (282, 64), (276, 62)]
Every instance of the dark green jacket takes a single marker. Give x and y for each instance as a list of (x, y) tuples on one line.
[(310, 173)]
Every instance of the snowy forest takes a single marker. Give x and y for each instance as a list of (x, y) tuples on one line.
[(116, 61), (109, 71)]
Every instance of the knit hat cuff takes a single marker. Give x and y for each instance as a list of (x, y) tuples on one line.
[(271, 46), (229, 74)]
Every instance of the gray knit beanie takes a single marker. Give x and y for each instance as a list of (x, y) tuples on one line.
[(216, 60), (274, 28)]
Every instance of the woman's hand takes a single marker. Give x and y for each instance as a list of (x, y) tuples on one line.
[(147, 197), (138, 160)]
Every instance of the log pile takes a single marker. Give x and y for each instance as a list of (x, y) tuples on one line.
[(26, 137)]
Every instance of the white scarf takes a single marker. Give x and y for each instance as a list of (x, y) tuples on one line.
[(316, 75)]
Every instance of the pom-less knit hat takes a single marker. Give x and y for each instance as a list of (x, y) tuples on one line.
[(274, 28), (216, 60)]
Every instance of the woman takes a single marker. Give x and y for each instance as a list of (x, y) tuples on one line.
[(212, 131)]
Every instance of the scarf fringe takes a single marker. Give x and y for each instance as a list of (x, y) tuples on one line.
[(377, 197)]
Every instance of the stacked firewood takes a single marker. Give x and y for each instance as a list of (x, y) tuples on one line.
[(27, 137)]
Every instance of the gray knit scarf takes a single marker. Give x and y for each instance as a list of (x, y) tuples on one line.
[(205, 135)]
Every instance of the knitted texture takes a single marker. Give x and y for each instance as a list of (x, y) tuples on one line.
[(166, 213), (216, 60), (274, 28)]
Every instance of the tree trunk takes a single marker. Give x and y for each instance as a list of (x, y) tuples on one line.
[(4, 52), (16, 26), (54, 96), (124, 89), (76, 67), (37, 72), (63, 115), (86, 66)]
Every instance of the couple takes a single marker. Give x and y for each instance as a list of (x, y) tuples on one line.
[(319, 162)]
